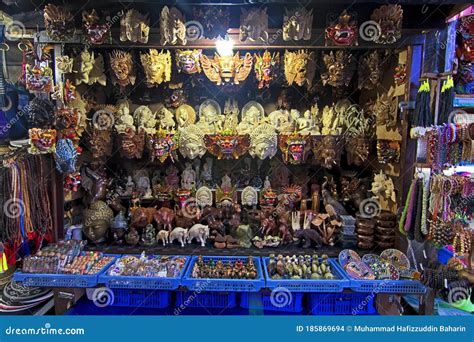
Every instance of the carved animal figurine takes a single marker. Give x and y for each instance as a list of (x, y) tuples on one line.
[(284, 230), (142, 216), (309, 237), (268, 226), (333, 207), (216, 225), (165, 217), (199, 232), (164, 236), (179, 234)]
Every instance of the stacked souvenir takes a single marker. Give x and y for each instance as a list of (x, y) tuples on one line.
[(65, 257), (299, 267), (238, 269), (391, 264), (154, 266)]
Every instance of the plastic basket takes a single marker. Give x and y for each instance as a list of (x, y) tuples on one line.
[(310, 285), (144, 283), (61, 280), (385, 286), (276, 300), (190, 299), (238, 285), (342, 304), (141, 298), (444, 255)]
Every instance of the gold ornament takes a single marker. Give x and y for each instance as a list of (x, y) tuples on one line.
[(227, 68), (64, 64), (157, 66), (134, 27), (299, 67), (172, 27), (339, 68), (122, 67)]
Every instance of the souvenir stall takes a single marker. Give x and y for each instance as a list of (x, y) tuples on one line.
[(247, 158)]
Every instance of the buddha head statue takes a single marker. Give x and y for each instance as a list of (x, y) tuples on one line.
[(97, 219)]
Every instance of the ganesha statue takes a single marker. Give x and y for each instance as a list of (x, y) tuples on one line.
[(145, 119)]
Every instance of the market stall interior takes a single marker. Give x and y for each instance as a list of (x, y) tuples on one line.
[(242, 150)]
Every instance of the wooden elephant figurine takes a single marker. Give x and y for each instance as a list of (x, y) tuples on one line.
[(180, 234), (199, 232), (142, 216), (164, 236), (165, 216)]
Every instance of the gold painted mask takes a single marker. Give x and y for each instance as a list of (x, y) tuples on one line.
[(59, 23), (227, 68), (157, 66), (299, 67), (265, 67)]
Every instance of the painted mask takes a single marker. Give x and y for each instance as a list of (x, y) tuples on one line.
[(297, 24), (162, 145), (227, 68), (389, 18), (187, 61), (343, 32), (265, 68), (294, 147), (370, 70), (42, 140), (97, 31), (59, 23), (227, 145), (298, 65), (339, 68), (122, 67), (157, 67)]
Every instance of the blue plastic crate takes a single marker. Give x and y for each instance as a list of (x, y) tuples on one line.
[(285, 301), (238, 285), (310, 285), (342, 304), (144, 283), (193, 299), (61, 280), (385, 286), (141, 298), (444, 255)]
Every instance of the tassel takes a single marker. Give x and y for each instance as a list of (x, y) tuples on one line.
[(3, 260)]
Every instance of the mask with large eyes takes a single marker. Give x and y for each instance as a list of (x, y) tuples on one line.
[(187, 61)]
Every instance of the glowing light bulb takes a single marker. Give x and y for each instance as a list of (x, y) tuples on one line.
[(224, 47)]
